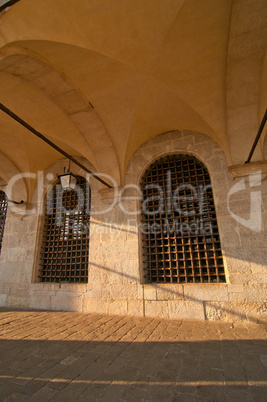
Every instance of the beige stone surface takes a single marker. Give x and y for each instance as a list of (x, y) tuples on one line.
[(73, 356), (115, 272), (191, 310), (170, 292), (129, 54), (236, 311), (156, 309), (206, 292), (150, 292), (118, 84), (95, 305), (66, 301), (41, 301), (3, 299), (117, 307), (17, 301), (135, 308)]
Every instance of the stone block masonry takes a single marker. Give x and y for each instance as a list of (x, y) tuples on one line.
[(60, 356), (115, 274)]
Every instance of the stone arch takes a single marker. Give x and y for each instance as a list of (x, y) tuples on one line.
[(49, 177), (16, 189), (200, 145), (31, 67), (204, 148), (181, 241), (45, 183), (245, 92), (66, 233)]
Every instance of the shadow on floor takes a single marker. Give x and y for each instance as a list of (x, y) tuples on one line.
[(140, 371)]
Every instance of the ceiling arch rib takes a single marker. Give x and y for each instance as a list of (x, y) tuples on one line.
[(65, 95), (164, 111), (192, 60), (8, 171), (245, 91)]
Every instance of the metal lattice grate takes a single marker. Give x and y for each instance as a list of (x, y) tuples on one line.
[(181, 242), (65, 244), (3, 211)]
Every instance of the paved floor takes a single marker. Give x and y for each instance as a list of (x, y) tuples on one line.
[(61, 356)]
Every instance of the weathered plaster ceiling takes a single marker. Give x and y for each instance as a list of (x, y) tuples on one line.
[(101, 77)]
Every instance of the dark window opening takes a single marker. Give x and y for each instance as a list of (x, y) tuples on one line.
[(180, 236), (65, 242)]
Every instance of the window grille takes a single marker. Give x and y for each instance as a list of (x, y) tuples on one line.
[(180, 236), (3, 211), (65, 243)]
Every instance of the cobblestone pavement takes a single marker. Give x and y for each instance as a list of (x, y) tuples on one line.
[(67, 356)]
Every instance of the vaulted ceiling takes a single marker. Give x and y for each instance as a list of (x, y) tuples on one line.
[(101, 77)]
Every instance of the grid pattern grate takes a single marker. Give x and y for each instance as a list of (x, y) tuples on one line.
[(181, 242), (65, 243), (3, 211)]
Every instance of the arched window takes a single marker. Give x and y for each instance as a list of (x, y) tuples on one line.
[(3, 211), (180, 236), (65, 242)]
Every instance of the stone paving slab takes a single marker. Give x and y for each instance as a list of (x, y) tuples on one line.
[(68, 356)]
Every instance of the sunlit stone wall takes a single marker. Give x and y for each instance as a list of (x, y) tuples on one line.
[(115, 283)]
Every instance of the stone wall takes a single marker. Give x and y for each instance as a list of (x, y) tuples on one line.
[(115, 282)]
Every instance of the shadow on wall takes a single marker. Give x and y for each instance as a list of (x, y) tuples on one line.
[(248, 264), (114, 247), (179, 296)]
